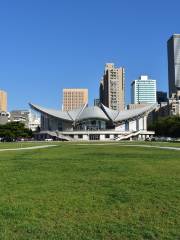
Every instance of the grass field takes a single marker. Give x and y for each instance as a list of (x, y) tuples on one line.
[(5, 145), (90, 192)]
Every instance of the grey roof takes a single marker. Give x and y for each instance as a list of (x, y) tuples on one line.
[(128, 114), (91, 113), (55, 113), (74, 114), (112, 114), (95, 112)]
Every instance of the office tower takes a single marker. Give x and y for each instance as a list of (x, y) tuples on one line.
[(161, 96), (112, 87), (143, 90), (3, 101), (173, 47), (74, 98)]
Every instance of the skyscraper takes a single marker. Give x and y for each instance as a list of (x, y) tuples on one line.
[(74, 98), (112, 87), (173, 47), (3, 101), (143, 90)]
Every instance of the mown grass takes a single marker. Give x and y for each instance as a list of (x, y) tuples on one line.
[(90, 192), (5, 145)]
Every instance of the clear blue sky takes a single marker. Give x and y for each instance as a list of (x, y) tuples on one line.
[(47, 45)]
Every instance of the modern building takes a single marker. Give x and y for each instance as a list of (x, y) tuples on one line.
[(112, 87), (173, 47), (3, 101), (161, 96), (74, 98), (20, 116), (94, 123), (143, 90)]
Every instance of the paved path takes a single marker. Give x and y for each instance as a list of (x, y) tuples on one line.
[(133, 145), (26, 148)]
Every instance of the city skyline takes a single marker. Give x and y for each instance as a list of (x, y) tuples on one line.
[(42, 55)]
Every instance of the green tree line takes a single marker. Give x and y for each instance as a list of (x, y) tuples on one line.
[(13, 131), (167, 127)]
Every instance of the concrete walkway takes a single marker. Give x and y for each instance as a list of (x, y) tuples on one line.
[(26, 148), (133, 145)]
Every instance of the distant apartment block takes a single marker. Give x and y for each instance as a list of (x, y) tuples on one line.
[(143, 91), (173, 47), (112, 87), (20, 116), (3, 101), (74, 98)]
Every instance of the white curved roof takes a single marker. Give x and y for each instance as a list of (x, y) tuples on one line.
[(95, 112), (92, 113), (74, 114), (112, 114), (55, 113), (127, 114)]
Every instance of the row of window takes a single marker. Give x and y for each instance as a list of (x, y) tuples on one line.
[(80, 136)]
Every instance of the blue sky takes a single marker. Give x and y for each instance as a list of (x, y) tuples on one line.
[(47, 45)]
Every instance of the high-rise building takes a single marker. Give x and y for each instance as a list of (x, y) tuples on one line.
[(143, 90), (74, 98), (161, 96), (112, 87), (173, 47), (3, 101)]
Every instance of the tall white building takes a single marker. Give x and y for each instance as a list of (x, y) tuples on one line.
[(143, 90)]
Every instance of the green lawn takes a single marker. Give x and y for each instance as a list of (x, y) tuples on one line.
[(90, 192), (5, 145)]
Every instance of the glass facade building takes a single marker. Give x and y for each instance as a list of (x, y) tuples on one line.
[(143, 90)]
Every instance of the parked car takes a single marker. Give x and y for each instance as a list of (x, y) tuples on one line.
[(48, 139)]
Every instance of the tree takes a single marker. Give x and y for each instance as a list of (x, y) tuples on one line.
[(14, 130), (167, 127)]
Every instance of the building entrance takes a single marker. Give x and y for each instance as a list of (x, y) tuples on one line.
[(94, 137)]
